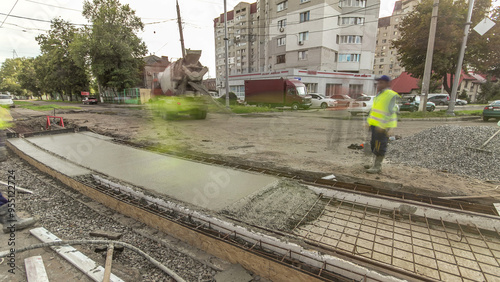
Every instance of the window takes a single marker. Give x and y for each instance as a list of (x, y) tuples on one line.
[(384, 40), (352, 3), (332, 89), (282, 41), (304, 1), (282, 6), (351, 21), (355, 89), (383, 47), (238, 90), (302, 55), (311, 87), (280, 59), (351, 39), (282, 23), (380, 72), (381, 66), (395, 33), (304, 17), (303, 36), (381, 60), (385, 33), (350, 57)]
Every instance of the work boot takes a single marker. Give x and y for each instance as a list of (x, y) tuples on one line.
[(377, 165), (12, 222)]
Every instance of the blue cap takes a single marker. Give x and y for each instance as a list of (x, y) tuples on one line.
[(383, 78)]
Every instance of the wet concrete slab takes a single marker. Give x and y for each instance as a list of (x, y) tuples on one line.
[(211, 187), (50, 160)]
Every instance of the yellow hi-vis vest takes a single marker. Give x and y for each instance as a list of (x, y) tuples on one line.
[(380, 114), (5, 118)]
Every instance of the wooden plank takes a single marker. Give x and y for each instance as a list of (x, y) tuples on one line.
[(497, 207), (72, 255), (471, 197), (35, 270)]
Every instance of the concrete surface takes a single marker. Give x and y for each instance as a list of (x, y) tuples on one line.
[(235, 273), (210, 187), (52, 161)]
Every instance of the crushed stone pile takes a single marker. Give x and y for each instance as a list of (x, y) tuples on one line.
[(447, 147), (280, 207)]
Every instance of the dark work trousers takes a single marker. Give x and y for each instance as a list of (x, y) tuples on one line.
[(379, 141), (3, 201)]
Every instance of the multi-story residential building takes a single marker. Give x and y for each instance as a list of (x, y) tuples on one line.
[(314, 35), (386, 61)]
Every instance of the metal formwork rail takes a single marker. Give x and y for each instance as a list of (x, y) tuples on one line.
[(432, 248)]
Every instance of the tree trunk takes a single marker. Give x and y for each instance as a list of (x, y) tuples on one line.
[(448, 87)]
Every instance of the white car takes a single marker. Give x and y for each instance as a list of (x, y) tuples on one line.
[(320, 101), (362, 105), (460, 102), (6, 100)]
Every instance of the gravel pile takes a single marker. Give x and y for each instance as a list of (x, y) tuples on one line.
[(446, 147), (69, 219)]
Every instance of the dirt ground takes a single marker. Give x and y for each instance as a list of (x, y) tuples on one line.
[(313, 141)]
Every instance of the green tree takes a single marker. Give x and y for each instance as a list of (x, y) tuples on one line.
[(62, 73), (9, 76), (434, 85), (489, 91), (28, 79), (111, 46), (412, 45)]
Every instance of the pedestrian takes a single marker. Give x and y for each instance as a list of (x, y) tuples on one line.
[(382, 118), (8, 216)]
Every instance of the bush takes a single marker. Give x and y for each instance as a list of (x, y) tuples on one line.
[(233, 99)]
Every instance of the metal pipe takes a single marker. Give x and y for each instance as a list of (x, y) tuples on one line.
[(456, 79), (156, 263)]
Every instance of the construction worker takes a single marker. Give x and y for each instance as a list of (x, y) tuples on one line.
[(8, 217), (382, 118)]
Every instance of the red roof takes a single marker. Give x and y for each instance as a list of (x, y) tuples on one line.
[(404, 83)]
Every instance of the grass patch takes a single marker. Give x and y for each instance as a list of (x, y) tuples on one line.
[(22, 103), (48, 107), (441, 113), (239, 109)]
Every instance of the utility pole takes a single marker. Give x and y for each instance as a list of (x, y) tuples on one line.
[(458, 73), (226, 46), (428, 59), (179, 22)]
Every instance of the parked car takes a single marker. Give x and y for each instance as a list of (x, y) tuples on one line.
[(342, 100), (460, 102), (320, 101), (492, 111), (413, 106), (356, 95), (362, 105), (89, 100), (6, 100), (441, 100)]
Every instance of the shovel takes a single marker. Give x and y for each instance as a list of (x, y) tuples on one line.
[(481, 149)]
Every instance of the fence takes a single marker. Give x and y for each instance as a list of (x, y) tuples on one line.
[(127, 96)]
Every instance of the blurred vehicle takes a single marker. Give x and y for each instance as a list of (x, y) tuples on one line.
[(320, 101), (460, 102), (492, 111), (277, 93), (356, 95), (441, 100), (6, 100), (362, 105), (89, 100), (413, 106), (342, 100)]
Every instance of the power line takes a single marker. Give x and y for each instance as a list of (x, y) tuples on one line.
[(9, 13), (50, 5)]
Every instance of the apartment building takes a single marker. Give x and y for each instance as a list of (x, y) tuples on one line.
[(315, 35), (386, 61)]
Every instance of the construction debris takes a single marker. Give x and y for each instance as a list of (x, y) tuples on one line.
[(444, 148), (106, 234)]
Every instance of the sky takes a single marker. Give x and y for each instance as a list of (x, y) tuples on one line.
[(17, 34)]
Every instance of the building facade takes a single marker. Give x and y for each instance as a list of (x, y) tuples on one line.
[(312, 35), (386, 61)]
